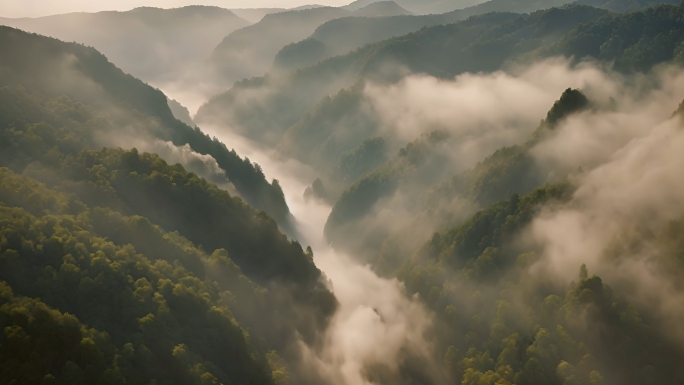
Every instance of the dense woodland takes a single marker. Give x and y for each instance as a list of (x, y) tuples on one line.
[(151, 43), (584, 334), (147, 225), (120, 263), (509, 170), (143, 109)]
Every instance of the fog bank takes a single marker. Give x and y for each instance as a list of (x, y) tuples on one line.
[(377, 327)]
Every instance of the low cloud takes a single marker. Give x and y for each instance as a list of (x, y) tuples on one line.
[(482, 112), (377, 327), (630, 195)]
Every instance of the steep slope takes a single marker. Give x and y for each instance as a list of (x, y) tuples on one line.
[(250, 51), (108, 312), (281, 101), (150, 43), (422, 164), (180, 112), (471, 276), (190, 250), (57, 68), (635, 42), (340, 36), (481, 43), (500, 320), (337, 124), (486, 43)]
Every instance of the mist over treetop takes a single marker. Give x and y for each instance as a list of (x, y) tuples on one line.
[(385, 192)]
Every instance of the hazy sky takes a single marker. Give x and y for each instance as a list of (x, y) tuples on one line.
[(34, 8)]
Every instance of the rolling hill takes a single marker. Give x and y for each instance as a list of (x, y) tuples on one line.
[(250, 51), (56, 68), (150, 43)]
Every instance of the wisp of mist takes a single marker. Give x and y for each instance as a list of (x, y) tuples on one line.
[(628, 148)]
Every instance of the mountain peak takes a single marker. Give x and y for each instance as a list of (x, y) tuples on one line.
[(382, 9), (570, 102)]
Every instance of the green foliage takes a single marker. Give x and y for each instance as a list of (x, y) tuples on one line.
[(301, 54), (280, 374), (41, 345), (501, 324), (53, 69), (489, 229), (283, 101), (167, 265), (370, 154), (570, 102), (509, 170), (345, 34), (145, 185), (635, 41), (126, 316), (294, 110), (359, 200), (335, 126), (481, 43)]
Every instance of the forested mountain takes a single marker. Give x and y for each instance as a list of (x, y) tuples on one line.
[(150, 43), (486, 43), (635, 42), (483, 43), (250, 51), (588, 324), (340, 36), (485, 196), (282, 102), (337, 126), (583, 334), (416, 173), (155, 266), (86, 76)]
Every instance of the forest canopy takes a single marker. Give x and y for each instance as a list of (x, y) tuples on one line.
[(135, 264), (486, 196)]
